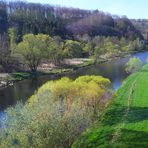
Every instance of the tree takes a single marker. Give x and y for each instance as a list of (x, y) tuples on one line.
[(13, 37), (73, 49), (56, 54), (133, 65), (4, 50), (3, 17), (33, 48), (89, 48), (94, 86), (57, 114)]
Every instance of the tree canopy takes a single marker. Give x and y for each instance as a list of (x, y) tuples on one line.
[(73, 49), (65, 22), (57, 114), (33, 48), (133, 65)]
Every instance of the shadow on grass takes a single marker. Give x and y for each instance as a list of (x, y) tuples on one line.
[(143, 71), (133, 139), (102, 134), (115, 115), (102, 137), (137, 114)]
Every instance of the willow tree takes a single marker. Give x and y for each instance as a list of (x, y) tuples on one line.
[(33, 49), (133, 65)]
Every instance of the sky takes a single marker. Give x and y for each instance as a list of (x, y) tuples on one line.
[(131, 8)]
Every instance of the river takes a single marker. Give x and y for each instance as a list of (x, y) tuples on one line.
[(21, 91)]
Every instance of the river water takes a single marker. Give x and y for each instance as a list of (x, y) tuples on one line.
[(21, 91)]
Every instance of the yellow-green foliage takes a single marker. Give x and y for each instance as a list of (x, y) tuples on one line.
[(56, 115), (85, 90), (133, 65)]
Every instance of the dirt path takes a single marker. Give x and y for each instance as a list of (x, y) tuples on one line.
[(117, 134)]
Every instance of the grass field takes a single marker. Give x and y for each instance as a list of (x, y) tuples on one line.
[(125, 123)]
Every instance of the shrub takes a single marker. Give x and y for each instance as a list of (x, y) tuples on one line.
[(56, 115), (133, 65)]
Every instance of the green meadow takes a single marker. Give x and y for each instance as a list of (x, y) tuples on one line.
[(125, 123)]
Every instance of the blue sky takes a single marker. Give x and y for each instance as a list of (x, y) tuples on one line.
[(130, 8)]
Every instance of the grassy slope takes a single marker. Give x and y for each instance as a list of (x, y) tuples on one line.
[(125, 123)]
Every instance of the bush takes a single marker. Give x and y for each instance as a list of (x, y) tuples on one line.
[(56, 115), (133, 65)]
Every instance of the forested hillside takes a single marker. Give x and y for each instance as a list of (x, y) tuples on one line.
[(142, 26), (76, 33), (65, 22)]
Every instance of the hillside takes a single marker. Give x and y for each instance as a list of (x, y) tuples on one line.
[(65, 22), (125, 123), (142, 26)]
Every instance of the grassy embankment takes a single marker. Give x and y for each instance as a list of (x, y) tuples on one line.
[(125, 123)]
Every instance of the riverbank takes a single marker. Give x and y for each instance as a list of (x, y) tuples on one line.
[(6, 80), (9, 79), (124, 123), (70, 65)]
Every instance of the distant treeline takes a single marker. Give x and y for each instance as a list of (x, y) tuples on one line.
[(142, 26), (71, 33), (64, 22)]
